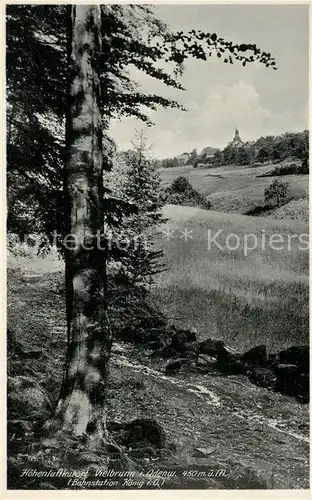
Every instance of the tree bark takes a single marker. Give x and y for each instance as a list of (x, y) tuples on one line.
[(80, 409)]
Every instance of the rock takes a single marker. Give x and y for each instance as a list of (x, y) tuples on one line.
[(31, 277), (303, 389), (118, 349), (232, 364), (211, 347), (191, 335), (27, 399), (190, 349), (178, 341), (206, 360), (51, 443), (272, 360), (244, 477), (203, 452), (155, 344), (144, 452), (296, 355), (286, 367), (263, 377), (175, 366), (287, 377), (166, 352), (144, 431), (291, 381), (256, 356), (153, 322), (145, 331), (156, 335)]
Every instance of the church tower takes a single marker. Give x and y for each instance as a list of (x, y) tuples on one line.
[(237, 140)]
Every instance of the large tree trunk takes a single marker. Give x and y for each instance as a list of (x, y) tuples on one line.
[(80, 409)]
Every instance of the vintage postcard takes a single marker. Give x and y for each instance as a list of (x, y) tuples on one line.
[(157, 242)]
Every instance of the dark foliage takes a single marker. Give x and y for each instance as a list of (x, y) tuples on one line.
[(277, 192), (181, 192), (289, 169), (36, 38)]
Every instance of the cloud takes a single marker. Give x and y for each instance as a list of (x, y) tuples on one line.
[(211, 120)]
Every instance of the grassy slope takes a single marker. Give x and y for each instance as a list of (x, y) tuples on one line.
[(295, 209), (246, 300), (234, 189)]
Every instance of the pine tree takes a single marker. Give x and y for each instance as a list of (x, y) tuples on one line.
[(142, 187)]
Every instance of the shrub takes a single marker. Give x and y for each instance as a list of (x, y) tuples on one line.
[(305, 164), (181, 185), (277, 191), (181, 192), (289, 169)]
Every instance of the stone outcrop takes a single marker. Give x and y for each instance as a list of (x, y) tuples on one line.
[(286, 371), (26, 397), (140, 432)]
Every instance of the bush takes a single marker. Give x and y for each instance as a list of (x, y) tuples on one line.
[(277, 191), (181, 192), (181, 185), (305, 165), (289, 169)]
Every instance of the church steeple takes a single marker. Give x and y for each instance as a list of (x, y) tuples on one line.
[(237, 141)]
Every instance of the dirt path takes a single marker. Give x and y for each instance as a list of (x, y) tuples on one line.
[(243, 425)]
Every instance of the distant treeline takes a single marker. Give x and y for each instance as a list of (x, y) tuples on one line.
[(269, 149)]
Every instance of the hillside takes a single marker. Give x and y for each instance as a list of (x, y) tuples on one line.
[(234, 189)]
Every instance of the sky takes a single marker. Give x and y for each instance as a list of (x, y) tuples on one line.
[(218, 96)]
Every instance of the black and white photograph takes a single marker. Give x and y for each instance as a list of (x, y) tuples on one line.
[(157, 247)]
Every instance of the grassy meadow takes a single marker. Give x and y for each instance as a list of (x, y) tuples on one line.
[(261, 297), (234, 189)]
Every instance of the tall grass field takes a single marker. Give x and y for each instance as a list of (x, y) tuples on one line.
[(245, 298)]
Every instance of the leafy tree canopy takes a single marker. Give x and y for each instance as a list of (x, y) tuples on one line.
[(36, 90)]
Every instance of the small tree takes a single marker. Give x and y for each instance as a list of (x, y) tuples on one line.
[(142, 188), (276, 192), (265, 153), (242, 156), (180, 185), (170, 162), (218, 158), (192, 157), (181, 192), (305, 164)]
